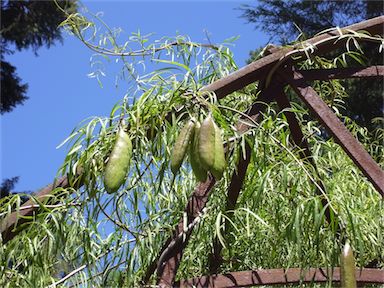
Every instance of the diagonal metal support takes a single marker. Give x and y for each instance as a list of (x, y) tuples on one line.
[(259, 69), (306, 155), (350, 145), (294, 126), (171, 253), (237, 180), (168, 265), (238, 176)]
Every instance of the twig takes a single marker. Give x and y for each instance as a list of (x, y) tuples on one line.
[(134, 184), (142, 52), (312, 47), (118, 223), (98, 274), (85, 266), (68, 276)]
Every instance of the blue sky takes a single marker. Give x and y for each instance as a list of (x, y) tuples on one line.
[(61, 94)]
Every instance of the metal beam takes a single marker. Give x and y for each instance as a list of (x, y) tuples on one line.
[(9, 224), (280, 276), (342, 73), (168, 265), (346, 140), (259, 69), (238, 176), (306, 155), (171, 258)]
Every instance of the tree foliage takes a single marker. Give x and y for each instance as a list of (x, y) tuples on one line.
[(7, 186), (289, 21), (285, 20), (26, 24), (13, 91), (87, 237)]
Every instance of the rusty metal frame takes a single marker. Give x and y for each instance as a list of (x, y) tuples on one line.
[(174, 250), (237, 80), (170, 255), (11, 225), (257, 70), (342, 73), (280, 276), (238, 176), (333, 124), (306, 155), (341, 134)]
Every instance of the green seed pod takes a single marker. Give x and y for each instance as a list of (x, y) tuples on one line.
[(117, 167), (219, 163), (348, 277), (194, 159), (207, 143), (181, 146)]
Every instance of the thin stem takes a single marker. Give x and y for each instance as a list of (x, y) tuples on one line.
[(68, 276), (313, 46), (118, 223), (74, 272)]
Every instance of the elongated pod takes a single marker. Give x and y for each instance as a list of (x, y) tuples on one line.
[(219, 163), (118, 164), (348, 277), (207, 143), (194, 158), (181, 145)]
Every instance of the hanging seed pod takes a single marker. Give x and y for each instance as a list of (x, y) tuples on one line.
[(181, 146), (194, 158), (348, 277), (207, 143), (219, 162), (117, 167)]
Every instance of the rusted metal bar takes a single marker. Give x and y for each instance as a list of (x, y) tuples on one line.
[(306, 155), (167, 272), (342, 73), (237, 181), (294, 126), (260, 68), (238, 176), (9, 224), (195, 205), (170, 262), (350, 145), (280, 276)]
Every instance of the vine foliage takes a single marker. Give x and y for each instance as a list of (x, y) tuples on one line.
[(85, 236)]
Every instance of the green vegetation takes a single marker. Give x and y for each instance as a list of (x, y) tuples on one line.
[(87, 237), (290, 21)]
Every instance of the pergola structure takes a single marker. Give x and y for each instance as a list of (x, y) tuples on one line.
[(273, 72)]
